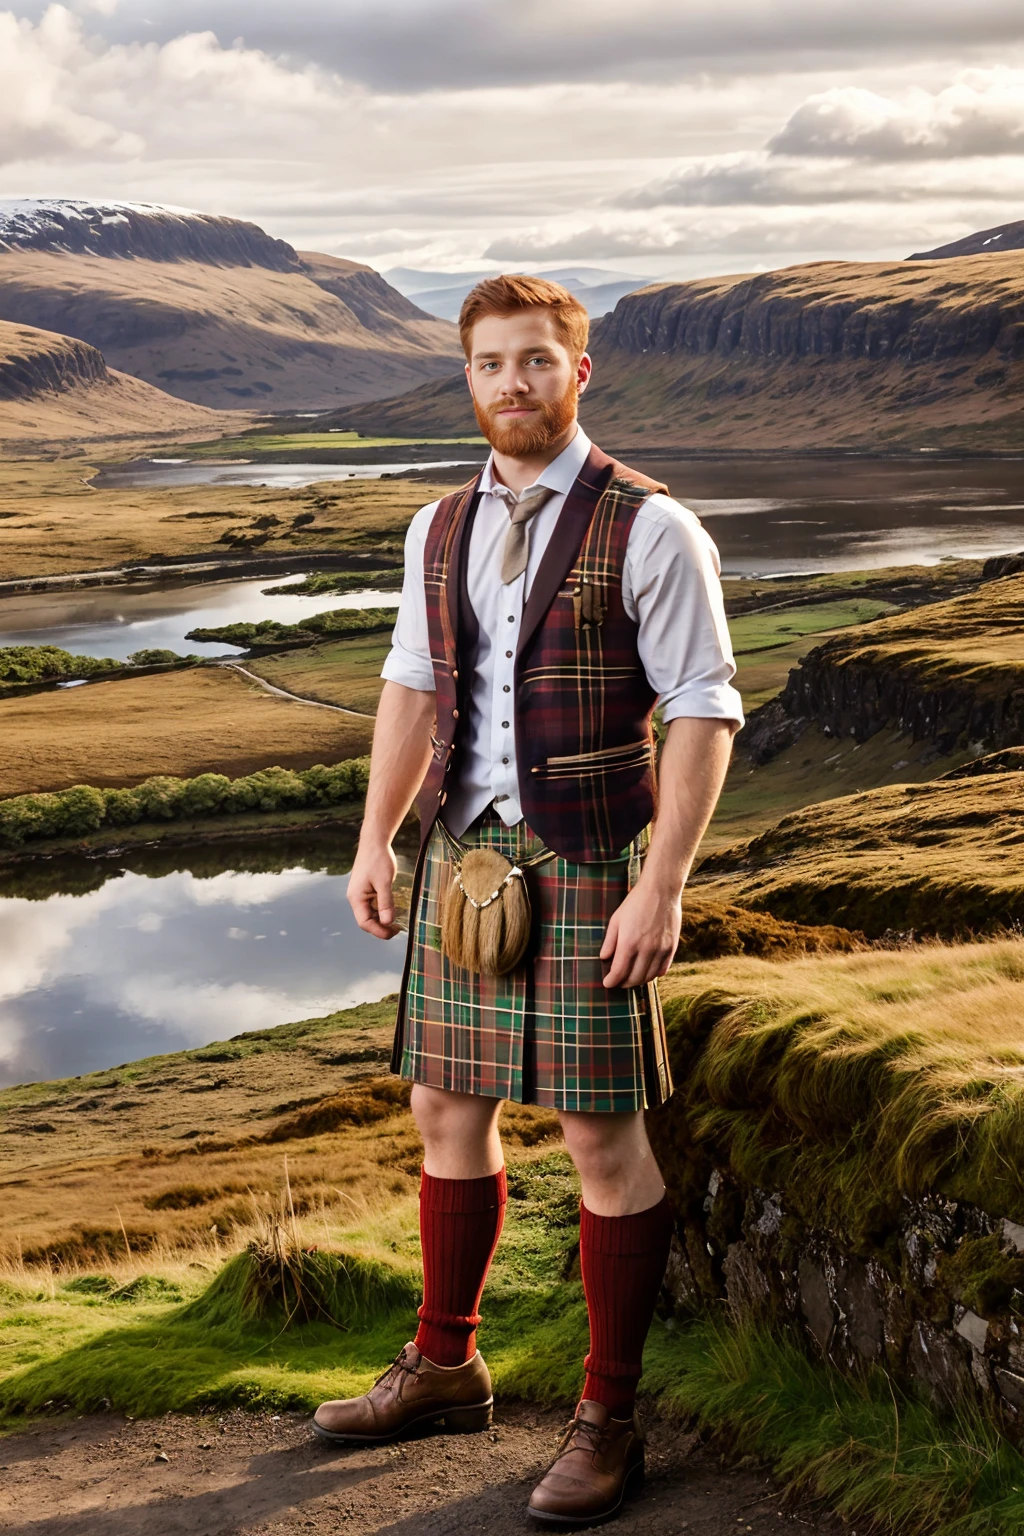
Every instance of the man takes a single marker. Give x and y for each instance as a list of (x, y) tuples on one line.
[(546, 608)]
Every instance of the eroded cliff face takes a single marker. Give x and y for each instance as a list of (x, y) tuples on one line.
[(35, 363), (949, 673)]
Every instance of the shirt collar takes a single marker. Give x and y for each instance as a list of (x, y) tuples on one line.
[(558, 476)]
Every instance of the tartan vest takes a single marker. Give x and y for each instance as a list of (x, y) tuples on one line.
[(583, 705)]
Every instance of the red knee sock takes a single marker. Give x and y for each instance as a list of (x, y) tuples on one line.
[(623, 1262), (460, 1223)]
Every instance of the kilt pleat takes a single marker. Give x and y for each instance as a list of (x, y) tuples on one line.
[(550, 1032)]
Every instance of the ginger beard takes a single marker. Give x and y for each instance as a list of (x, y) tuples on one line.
[(523, 439)]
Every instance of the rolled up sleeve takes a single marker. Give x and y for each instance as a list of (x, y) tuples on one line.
[(672, 588), (408, 662)]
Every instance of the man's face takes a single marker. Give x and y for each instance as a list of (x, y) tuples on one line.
[(524, 383)]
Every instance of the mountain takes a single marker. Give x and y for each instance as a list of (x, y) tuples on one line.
[(213, 309), (986, 242), (870, 355), (442, 293), (56, 387)]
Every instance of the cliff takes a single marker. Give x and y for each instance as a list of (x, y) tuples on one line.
[(951, 673), (875, 356), (212, 309), (58, 387)]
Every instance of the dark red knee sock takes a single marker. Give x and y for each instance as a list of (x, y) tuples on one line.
[(623, 1261), (460, 1223)]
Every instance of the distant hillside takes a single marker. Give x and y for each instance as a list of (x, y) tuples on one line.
[(985, 242), (828, 354), (55, 387), (212, 309)]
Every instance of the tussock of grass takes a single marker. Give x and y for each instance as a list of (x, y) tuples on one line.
[(935, 858), (852, 1081)]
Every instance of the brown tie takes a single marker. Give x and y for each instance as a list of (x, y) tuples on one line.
[(517, 540)]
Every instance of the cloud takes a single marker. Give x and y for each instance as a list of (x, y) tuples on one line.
[(37, 65), (982, 113), (419, 45)]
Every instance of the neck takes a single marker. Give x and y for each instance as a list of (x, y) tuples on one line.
[(517, 473)]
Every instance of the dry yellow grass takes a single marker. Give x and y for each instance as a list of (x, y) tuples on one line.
[(181, 723), (53, 522), (939, 858), (345, 672)]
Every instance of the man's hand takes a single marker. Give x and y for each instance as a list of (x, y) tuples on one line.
[(642, 936), (370, 890)]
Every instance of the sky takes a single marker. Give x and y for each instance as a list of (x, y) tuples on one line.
[(660, 137)]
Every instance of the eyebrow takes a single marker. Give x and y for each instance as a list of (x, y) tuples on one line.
[(488, 357)]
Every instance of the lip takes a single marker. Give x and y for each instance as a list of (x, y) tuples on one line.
[(517, 410)]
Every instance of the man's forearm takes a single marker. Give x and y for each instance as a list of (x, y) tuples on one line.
[(691, 773), (401, 753)]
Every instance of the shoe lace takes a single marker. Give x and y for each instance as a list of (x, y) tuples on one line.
[(587, 1430), (397, 1367)]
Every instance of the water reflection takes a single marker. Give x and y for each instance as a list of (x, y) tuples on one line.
[(164, 474), (115, 621), (103, 962)]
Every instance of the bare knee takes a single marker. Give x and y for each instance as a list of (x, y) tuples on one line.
[(601, 1146), (459, 1130)]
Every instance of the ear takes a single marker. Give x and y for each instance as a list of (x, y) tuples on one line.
[(583, 372)]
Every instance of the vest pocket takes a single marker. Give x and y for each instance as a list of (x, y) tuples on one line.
[(635, 754)]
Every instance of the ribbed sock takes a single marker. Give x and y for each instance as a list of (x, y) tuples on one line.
[(460, 1223), (623, 1261)]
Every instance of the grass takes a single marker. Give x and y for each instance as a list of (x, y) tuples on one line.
[(848, 1082), (345, 672), (762, 631), (936, 858), (203, 720)]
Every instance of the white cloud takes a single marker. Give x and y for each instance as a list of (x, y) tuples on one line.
[(981, 113)]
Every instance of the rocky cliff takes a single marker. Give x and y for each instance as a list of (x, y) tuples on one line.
[(874, 356), (950, 673), (55, 386), (213, 309)]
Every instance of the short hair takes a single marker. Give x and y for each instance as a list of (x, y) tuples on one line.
[(509, 294)]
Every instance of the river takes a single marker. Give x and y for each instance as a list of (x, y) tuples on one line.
[(105, 961), (117, 620)]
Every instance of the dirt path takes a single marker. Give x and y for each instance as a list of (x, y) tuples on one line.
[(243, 1474), (282, 693)]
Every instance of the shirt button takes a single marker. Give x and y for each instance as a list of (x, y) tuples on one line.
[(504, 759), (508, 654), (511, 618), (506, 689), (504, 725)]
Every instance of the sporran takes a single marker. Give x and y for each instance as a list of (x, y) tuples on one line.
[(486, 916)]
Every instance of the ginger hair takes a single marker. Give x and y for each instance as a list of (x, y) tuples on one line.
[(507, 295)]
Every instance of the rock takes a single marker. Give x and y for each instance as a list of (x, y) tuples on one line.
[(816, 1303), (974, 1329), (1013, 1235), (865, 1314), (161, 1456), (937, 1364), (1010, 1386), (746, 1284)]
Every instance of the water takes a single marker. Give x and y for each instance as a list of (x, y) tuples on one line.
[(767, 515), (173, 950), (770, 516), (160, 474), (115, 621)]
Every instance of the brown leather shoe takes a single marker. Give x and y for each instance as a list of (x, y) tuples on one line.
[(413, 1392), (599, 1464)]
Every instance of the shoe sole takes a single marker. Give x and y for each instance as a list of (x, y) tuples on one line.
[(454, 1421), (632, 1487)]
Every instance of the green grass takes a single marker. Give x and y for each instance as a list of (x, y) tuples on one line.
[(762, 631)]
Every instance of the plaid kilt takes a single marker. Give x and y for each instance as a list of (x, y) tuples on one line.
[(548, 1033)]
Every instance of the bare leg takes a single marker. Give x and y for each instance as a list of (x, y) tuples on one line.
[(460, 1133), (614, 1160)]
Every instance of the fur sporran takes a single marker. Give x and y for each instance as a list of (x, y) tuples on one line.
[(485, 924)]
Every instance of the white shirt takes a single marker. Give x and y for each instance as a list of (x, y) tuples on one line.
[(670, 587)]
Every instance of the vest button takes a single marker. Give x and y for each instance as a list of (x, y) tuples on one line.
[(455, 674), (443, 797), (455, 714), (577, 591)]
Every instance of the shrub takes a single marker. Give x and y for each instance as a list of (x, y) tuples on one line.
[(205, 795), (155, 658), (123, 807), (160, 797), (81, 809)]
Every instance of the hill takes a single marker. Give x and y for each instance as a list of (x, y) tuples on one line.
[(984, 242), (54, 387), (212, 309), (867, 355), (442, 293)]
